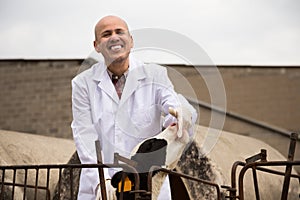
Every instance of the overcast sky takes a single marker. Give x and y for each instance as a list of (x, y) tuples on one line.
[(252, 32)]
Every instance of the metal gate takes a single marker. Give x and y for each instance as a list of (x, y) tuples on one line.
[(34, 181)]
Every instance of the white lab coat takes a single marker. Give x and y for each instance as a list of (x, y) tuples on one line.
[(119, 124)]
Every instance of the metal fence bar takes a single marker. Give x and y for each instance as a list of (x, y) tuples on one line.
[(100, 170), (25, 184), (47, 181), (288, 169), (256, 165), (29, 186), (262, 169), (59, 181), (14, 182), (2, 184), (157, 168), (232, 190), (262, 157), (71, 183), (36, 183), (49, 168), (255, 184)]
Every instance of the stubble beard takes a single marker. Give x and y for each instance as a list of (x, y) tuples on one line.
[(120, 60)]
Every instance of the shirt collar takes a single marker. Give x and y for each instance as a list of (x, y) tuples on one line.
[(111, 74)]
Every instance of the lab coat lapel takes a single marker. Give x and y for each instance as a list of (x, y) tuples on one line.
[(105, 83), (107, 86), (133, 81)]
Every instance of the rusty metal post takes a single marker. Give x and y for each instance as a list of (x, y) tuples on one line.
[(255, 183), (233, 189), (36, 183), (262, 156), (25, 184), (47, 181), (71, 182), (14, 182), (288, 169), (100, 170), (2, 184)]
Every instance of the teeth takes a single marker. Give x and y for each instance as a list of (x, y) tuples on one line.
[(117, 47)]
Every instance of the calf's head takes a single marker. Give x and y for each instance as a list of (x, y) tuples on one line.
[(164, 150)]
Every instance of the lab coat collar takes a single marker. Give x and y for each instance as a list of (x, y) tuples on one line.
[(135, 74), (98, 71), (101, 77)]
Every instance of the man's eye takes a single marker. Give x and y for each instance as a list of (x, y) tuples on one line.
[(121, 32), (106, 34)]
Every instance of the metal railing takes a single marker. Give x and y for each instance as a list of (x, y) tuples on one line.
[(8, 188), (259, 162), (33, 181)]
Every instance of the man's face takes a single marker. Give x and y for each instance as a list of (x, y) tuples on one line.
[(113, 40)]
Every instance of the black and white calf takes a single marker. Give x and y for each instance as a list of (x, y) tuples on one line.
[(164, 149), (150, 152)]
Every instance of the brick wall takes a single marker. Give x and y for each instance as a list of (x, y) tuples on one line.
[(267, 94), (36, 94)]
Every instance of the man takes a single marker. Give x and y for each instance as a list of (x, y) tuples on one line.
[(119, 102)]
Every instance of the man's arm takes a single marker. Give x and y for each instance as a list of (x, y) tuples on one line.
[(84, 131), (169, 98)]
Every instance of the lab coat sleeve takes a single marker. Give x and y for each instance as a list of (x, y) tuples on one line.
[(85, 135), (169, 119), (171, 99), (84, 131)]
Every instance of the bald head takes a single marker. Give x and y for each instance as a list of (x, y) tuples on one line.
[(109, 20), (114, 42)]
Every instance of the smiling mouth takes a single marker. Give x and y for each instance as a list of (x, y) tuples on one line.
[(116, 47)]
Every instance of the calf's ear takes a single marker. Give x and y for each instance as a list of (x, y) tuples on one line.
[(117, 177)]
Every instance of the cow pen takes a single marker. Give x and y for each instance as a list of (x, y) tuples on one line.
[(14, 182)]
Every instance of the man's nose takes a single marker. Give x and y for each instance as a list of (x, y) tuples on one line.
[(114, 37)]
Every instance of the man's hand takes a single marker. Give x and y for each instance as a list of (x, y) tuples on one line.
[(184, 119)]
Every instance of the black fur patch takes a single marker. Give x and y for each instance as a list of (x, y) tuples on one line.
[(151, 152), (195, 164)]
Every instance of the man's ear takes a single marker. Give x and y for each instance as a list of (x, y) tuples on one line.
[(131, 41), (96, 46)]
